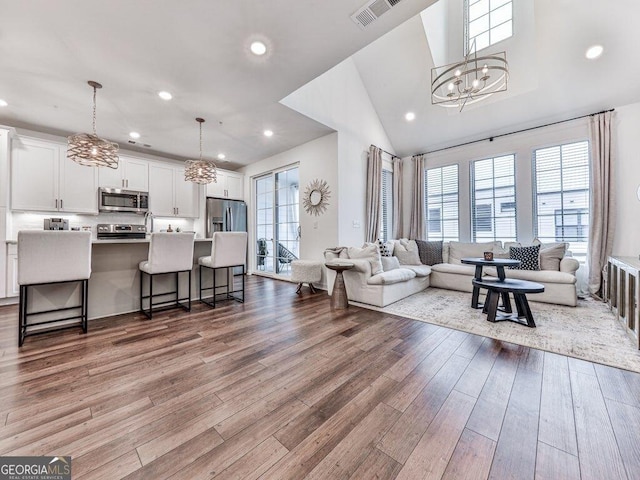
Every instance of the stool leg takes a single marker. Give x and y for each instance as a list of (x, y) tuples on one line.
[(150, 297), (299, 289), (21, 315), (312, 288), (189, 290), (85, 306), (214, 287)]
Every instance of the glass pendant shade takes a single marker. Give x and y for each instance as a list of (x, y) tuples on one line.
[(200, 171), (89, 149)]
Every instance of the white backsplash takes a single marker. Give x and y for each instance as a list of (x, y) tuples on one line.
[(35, 221)]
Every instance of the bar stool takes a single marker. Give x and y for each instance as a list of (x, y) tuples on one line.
[(168, 253), (49, 258), (228, 250)]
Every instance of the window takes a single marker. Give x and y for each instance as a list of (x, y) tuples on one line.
[(487, 22), (441, 202), (277, 222), (562, 195), (493, 197), (386, 225)]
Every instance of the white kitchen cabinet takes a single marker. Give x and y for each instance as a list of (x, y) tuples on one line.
[(131, 174), (13, 289), (43, 179), (170, 195), (228, 185)]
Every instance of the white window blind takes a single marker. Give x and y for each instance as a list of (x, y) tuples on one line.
[(487, 22), (562, 195), (493, 199), (386, 225), (441, 203)]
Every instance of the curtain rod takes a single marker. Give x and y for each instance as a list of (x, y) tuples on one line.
[(388, 153), (517, 131)]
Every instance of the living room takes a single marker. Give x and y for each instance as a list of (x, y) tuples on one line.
[(282, 386)]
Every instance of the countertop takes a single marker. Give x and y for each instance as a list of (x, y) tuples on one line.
[(95, 241)]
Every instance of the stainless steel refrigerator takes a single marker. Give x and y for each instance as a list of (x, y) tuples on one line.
[(225, 216)]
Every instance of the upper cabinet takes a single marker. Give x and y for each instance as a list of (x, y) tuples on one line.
[(170, 195), (131, 174), (43, 179), (228, 185)]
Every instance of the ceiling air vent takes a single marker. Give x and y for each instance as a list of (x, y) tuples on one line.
[(371, 11)]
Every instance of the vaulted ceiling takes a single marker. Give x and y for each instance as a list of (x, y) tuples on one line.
[(199, 51)]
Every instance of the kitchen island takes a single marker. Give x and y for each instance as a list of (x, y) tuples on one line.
[(114, 285)]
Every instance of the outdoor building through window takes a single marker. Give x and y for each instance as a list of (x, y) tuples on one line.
[(493, 199), (562, 195), (441, 203), (487, 22)]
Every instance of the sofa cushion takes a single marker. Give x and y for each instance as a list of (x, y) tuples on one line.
[(386, 248), (392, 276), (461, 269), (406, 251), (430, 252), (389, 263), (370, 253), (419, 270), (540, 276), (460, 250), (528, 256)]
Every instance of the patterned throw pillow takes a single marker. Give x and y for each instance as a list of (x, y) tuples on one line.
[(528, 257), (386, 248), (430, 252)]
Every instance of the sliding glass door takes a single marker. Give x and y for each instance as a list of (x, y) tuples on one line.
[(277, 221)]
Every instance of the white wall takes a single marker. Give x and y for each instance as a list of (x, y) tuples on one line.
[(627, 175), (315, 159), (339, 100)]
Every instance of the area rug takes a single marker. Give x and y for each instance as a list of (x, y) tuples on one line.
[(589, 331)]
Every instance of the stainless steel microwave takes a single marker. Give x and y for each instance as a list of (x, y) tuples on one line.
[(118, 200)]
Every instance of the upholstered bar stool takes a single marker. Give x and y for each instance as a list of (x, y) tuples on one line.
[(228, 251), (169, 253), (306, 271), (48, 258)]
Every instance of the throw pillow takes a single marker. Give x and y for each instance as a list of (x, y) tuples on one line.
[(430, 253), (389, 263), (407, 252), (528, 257), (550, 256), (386, 248), (370, 253)]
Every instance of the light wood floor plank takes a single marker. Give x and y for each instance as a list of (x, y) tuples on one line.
[(554, 464), (471, 460)]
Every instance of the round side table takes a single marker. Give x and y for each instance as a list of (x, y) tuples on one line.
[(339, 299)]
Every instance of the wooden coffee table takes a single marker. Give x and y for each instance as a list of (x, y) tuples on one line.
[(339, 299), (519, 289), (499, 263)]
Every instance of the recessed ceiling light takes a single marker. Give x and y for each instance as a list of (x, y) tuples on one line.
[(3, 103), (258, 48), (165, 95), (221, 156), (594, 52), (134, 135), (409, 116), (268, 133)]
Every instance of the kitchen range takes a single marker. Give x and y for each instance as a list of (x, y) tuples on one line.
[(113, 231)]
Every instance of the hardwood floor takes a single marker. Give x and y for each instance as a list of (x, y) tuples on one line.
[(281, 387)]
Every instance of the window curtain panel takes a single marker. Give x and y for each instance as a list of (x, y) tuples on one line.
[(398, 226), (416, 228), (374, 187), (602, 206)]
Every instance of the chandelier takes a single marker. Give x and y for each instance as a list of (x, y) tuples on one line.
[(469, 81), (89, 149), (200, 171)]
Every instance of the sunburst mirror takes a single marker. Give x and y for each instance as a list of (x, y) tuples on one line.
[(316, 196)]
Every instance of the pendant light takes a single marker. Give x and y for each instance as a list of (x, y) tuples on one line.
[(89, 149), (200, 171)]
